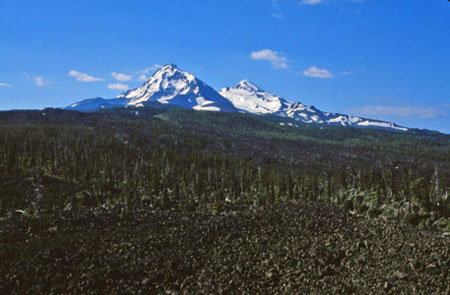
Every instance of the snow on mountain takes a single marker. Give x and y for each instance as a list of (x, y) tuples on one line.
[(249, 97), (303, 113), (170, 85), (348, 120)]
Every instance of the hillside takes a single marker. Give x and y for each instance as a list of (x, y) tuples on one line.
[(200, 184), (186, 152)]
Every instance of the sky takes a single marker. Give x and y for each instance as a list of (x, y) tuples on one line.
[(380, 59)]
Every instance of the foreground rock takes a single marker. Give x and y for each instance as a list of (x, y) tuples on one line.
[(297, 248)]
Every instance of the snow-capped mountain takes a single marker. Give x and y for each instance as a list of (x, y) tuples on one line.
[(249, 97), (169, 85)]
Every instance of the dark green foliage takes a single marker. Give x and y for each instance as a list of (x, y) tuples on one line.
[(210, 162), (166, 200)]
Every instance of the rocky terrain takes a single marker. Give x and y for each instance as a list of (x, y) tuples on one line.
[(291, 248)]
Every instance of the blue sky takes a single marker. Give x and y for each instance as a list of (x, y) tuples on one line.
[(383, 59)]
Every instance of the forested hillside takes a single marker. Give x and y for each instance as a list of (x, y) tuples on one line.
[(177, 159), (166, 201)]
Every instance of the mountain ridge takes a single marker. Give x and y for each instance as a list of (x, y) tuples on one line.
[(171, 86)]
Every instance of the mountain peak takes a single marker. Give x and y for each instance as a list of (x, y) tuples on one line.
[(172, 85), (170, 72), (169, 67), (249, 97), (248, 85)]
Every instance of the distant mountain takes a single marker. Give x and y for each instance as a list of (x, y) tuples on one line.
[(97, 103), (171, 86), (249, 97)]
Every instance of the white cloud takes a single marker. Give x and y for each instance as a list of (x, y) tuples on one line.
[(118, 86), (277, 15), (143, 77), (311, 2), (83, 77), (277, 60), (40, 81), (144, 74), (121, 76), (151, 69), (315, 72), (5, 84), (277, 11), (402, 111)]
